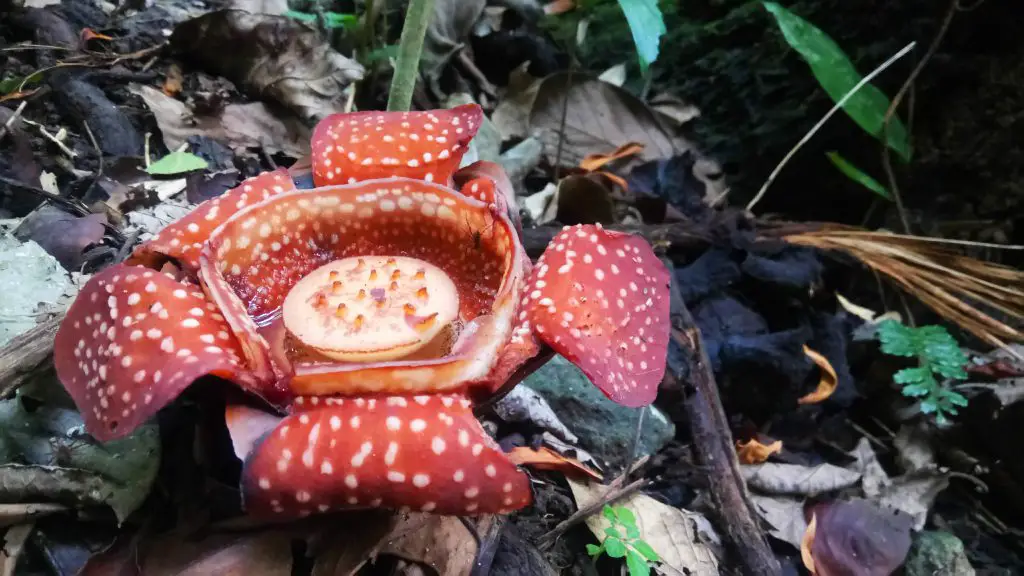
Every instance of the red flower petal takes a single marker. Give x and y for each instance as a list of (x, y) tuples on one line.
[(425, 453), (367, 145), (183, 239), (600, 298), (487, 182), (133, 340), (252, 262)]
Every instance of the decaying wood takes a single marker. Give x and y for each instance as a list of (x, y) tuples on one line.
[(713, 445), (27, 354)]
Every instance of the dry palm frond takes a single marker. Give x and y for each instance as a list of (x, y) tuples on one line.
[(936, 272)]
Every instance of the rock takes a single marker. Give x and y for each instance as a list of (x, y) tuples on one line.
[(605, 429), (937, 554)]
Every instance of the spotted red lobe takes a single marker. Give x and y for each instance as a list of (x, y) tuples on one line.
[(488, 182), (183, 239), (358, 146), (426, 453), (600, 298), (133, 340)]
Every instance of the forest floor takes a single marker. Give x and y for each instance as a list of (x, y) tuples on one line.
[(838, 398)]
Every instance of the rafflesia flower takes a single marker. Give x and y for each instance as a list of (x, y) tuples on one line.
[(371, 311)]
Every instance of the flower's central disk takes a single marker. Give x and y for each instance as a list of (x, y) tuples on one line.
[(371, 308)]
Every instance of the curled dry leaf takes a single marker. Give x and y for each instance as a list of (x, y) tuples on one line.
[(270, 57), (548, 459), (597, 161), (826, 384), (784, 515), (64, 236), (855, 537), (794, 479), (753, 452), (589, 128), (676, 535), (238, 126), (441, 542), (912, 493)]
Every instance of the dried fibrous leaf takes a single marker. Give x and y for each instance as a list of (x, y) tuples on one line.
[(238, 126), (270, 57), (676, 535), (794, 479), (64, 236), (441, 542), (600, 117)]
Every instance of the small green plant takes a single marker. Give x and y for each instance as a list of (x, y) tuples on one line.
[(622, 540), (937, 353)]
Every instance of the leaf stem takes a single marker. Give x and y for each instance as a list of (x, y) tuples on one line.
[(409, 50)]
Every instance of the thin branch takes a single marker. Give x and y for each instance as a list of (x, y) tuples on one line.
[(886, 156), (824, 119)]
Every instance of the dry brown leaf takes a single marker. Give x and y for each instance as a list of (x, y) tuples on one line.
[(912, 493), (671, 532), (172, 83), (599, 117), (13, 543), (807, 541), (441, 542), (447, 33), (238, 126), (64, 236), (264, 553), (797, 480), (512, 115), (548, 459), (753, 452), (826, 384), (597, 161), (784, 515), (344, 547), (270, 57)]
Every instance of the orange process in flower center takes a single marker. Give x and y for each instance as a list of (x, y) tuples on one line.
[(370, 308)]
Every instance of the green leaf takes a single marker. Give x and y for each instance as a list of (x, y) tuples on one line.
[(612, 532), (837, 76), (632, 531), (645, 549), (331, 19), (637, 565), (647, 25), (625, 515), (858, 176), (915, 375), (896, 339), (594, 550), (609, 513), (615, 547), (177, 163)]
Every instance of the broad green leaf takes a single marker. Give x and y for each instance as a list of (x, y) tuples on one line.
[(625, 515), (609, 513), (857, 175), (647, 25), (632, 531), (594, 550), (896, 339), (636, 564), (837, 76), (177, 163), (612, 532), (614, 547), (645, 549)]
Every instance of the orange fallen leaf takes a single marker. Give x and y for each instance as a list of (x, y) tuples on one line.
[(18, 94), (807, 541), (753, 452), (827, 383), (89, 34), (548, 459), (559, 7), (172, 84), (595, 161)]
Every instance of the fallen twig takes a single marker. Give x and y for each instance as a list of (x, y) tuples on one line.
[(587, 511), (27, 354), (713, 444), (15, 116)]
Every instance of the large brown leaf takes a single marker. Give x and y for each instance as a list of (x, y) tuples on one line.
[(600, 117)]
